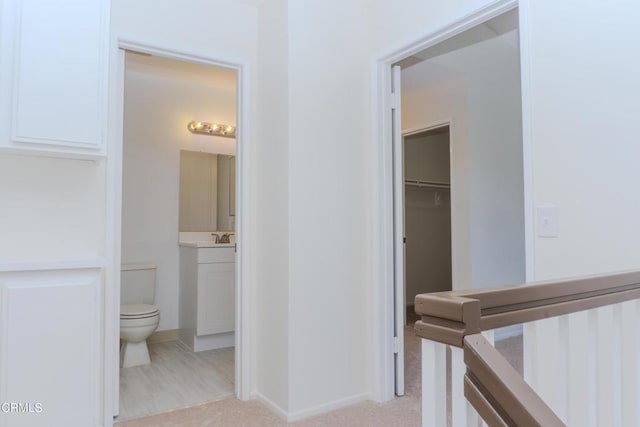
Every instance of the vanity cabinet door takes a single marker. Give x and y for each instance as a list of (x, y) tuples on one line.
[(53, 76), (216, 298)]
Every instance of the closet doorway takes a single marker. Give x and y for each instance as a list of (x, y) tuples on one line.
[(427, 214), (467, 77)]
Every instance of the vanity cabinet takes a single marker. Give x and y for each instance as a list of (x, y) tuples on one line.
[(215, 303), (54, 63), (207, 296)]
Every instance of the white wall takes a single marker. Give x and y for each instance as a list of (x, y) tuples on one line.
[(478, 88), (190, 25), (50, 208), (391, 26), (497, 186), (272, 229), (446, 102), (582, 83), (309, 360), (328, 229)]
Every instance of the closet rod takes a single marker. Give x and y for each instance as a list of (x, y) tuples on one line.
[(428, 184)]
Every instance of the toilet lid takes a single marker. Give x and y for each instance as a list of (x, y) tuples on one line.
[(137, 310)]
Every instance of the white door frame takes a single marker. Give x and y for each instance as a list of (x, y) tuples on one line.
[(399, 231), (382, 212), (244, 380)]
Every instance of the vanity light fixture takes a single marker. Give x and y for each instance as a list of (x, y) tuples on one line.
[(213, 129)]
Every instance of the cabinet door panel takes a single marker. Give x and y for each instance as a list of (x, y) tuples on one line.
[(54, 65), (50, 347), (216, 298)]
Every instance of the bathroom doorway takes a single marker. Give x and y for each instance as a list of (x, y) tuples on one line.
[(181, 221)]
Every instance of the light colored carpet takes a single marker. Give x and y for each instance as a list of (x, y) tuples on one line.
[(402, 412)]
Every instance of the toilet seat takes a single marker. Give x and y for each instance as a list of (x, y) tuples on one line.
[(138, 311), (137, 323)]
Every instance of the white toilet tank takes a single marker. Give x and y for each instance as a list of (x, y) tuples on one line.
[(137, 283)]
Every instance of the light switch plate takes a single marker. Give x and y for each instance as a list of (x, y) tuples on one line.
[(547, 221)]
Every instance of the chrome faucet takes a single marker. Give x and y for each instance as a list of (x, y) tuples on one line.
[(225, 238)]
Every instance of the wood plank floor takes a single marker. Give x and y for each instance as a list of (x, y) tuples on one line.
[(176, 378)]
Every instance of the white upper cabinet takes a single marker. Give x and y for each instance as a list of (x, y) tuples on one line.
[(53, 76)]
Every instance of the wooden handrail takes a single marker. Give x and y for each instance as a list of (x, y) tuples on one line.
[(448, 317), (497, 392)]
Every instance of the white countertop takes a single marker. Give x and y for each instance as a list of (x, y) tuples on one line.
[(206, 244), (204, 239)]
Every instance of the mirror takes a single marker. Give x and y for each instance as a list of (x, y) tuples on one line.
[(207, 191)]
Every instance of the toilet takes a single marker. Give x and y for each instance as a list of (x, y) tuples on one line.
[(139, 318)]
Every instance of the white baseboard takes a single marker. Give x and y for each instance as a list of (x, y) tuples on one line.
[(167, 335), (215, 341), (316, 410), (330, 406), (271, 405)]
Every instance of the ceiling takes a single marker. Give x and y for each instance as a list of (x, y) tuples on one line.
[(507, 23), (475, 52), (170, 68)]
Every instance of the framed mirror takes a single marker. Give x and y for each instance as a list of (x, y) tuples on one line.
[(207, 191)]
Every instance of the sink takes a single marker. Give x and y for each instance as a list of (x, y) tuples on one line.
[(207, 239)]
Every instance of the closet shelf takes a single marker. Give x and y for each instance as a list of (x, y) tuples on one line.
[(427, 184)]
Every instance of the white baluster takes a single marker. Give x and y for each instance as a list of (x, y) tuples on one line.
[(577, 338), (616, 366), (462, 413), (636, 338), (434, 384), (629, 319), (545, 364), (604, 325)]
